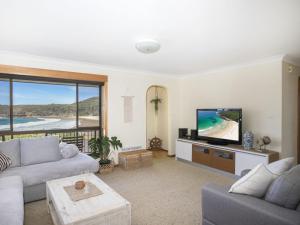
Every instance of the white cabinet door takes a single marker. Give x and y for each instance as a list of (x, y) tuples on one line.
[(184, 150), (247, 161)]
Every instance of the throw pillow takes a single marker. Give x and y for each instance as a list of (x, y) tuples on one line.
[(69, 151), (62, 145), (280, 166), (12, 150), (254, 183), (5, 162), (285, 190)]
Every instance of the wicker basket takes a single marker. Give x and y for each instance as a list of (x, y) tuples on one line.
[(106, 168)]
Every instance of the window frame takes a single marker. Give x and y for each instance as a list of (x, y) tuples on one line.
[(77, 83)]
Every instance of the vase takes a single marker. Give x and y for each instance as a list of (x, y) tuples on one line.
[(248, 140)]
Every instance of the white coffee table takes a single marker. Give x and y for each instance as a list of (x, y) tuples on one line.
[(108, 209)]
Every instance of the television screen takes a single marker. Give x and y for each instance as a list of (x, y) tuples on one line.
[(219, 124)]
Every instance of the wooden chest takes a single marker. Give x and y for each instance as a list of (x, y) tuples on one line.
[(135, 159)]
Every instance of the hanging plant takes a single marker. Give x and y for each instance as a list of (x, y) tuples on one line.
[(156, 100)]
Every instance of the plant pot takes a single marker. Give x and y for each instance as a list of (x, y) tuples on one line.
[(106, 168)]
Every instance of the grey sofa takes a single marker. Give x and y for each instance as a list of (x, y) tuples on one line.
[(11, 201), (222, 208), (34, 161)]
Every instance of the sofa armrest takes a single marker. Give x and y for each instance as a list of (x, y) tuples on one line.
[(222, 208)]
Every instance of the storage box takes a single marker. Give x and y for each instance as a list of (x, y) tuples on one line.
[(135, 159)]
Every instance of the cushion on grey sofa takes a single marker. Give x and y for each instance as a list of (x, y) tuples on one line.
[(281, 166), (5, 162), (222, 208), (40, 173), (11, 201), (285, 190), (12, 150), (298, 208), (69, 151), (39, 150)]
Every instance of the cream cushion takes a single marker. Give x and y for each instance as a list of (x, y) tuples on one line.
[(281, 166), (255, 183)]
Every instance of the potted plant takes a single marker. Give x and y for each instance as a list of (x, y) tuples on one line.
[(102, 147)]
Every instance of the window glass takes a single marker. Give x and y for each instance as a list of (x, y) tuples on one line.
[(88, 105), (43, 106)]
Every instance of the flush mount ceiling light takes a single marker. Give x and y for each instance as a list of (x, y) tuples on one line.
[(147, 46)]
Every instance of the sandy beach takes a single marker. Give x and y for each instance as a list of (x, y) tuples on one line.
[(53, 123), (226, 130), (89, 121)]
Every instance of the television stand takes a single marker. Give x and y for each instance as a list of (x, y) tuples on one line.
[(230, 158), (215, 142)]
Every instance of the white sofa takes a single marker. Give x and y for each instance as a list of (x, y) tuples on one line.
[(35, 161)]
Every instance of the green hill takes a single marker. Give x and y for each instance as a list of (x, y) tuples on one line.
[(87, 107)]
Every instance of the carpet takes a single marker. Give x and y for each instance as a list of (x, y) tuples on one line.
[(167, 193)]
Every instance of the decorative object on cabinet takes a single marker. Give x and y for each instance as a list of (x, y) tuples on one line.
[(248, 140)]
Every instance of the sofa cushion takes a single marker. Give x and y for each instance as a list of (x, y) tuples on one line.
[(12, 150), (5, 162), (254, 183), (281, 166), (298, 208), (39, 150), (40, 173), (285, 190), (11, 201), (69, 151)]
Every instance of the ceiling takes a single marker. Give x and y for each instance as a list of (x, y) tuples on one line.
[(195, 35)]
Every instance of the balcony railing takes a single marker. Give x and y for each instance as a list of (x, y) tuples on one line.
[(79, 137)]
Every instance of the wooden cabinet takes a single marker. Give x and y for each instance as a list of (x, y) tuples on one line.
[(215, 158), (223, 160), (231, 158), (201, 155)]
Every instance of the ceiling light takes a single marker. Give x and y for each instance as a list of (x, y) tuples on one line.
[(147, 46)]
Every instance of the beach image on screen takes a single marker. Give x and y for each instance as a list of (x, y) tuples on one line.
[(219, 124)]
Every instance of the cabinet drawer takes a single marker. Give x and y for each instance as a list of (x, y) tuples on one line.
[(223, 160), (201, 155)]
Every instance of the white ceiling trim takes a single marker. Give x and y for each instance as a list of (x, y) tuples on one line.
[(29, 60), (43, 62), (236, 66)]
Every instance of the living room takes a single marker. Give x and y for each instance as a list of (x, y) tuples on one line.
[(204, 54)]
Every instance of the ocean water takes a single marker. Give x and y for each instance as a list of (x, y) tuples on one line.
[(208, 120), (18, 120), (36, 123)]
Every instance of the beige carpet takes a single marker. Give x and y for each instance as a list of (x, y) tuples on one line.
[(168, 193)]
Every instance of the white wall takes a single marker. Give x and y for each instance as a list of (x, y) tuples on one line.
[(290, 74), (264, 90), (254, 88), (157, 122), (120, 82)]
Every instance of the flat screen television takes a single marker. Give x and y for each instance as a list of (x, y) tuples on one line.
[(220, 126)]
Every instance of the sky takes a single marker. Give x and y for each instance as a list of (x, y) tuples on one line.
[(43, 94)]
